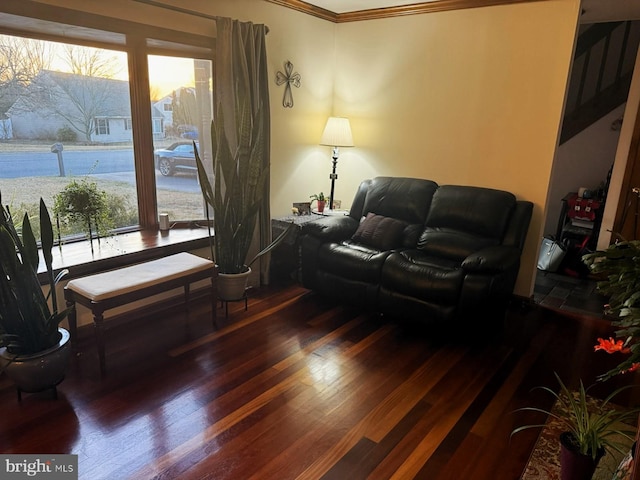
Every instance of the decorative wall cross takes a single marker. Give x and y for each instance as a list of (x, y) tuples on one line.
[(288, 78)]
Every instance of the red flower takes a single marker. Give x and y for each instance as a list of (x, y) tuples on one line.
[(611, 346)]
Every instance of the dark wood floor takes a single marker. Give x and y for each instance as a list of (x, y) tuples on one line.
[(296, 387)]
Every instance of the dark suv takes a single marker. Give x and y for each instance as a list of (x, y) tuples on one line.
[(177, 156)]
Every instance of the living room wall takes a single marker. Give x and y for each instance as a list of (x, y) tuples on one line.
[(469, 96)]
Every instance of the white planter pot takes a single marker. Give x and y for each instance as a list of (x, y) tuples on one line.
[(232, 286)]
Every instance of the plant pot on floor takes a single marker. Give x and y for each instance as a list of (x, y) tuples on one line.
[(573, 464), (232, 286), (39, 371)]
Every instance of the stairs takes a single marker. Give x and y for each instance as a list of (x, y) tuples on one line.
[(601, 75)]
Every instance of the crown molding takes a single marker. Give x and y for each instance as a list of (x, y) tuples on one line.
[(399, 11), (305, 7)]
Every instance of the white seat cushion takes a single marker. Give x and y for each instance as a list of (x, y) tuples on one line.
[(127, 279)]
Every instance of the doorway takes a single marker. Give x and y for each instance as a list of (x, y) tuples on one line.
[(603, 155)]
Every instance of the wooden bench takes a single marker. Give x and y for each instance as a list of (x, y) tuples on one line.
[(103, 291)]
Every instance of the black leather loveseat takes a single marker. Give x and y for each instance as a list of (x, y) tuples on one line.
[(412, 248)]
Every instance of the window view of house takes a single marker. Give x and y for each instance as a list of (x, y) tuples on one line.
[(181, 91), (65, 111), (66, 118)]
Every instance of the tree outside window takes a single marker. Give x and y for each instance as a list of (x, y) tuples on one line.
[(76, 96)]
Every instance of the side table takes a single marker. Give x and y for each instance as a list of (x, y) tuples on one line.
[(285, 259)]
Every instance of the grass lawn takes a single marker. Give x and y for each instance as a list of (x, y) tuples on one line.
[(26, 191)]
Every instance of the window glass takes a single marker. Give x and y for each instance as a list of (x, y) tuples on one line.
[(181, 96), (65, 128)]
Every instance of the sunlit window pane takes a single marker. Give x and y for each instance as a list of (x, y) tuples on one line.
[(66, 130), (181, 97)]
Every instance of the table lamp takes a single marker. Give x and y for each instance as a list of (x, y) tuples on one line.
[(337, 133)]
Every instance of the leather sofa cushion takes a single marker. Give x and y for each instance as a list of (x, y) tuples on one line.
[(380, 232), (416, 274), (405, 199), (464, 219), (352, 261), (480, 211)]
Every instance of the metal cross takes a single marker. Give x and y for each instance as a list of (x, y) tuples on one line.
[(288, 78)]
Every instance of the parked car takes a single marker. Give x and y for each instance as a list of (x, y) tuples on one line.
[(189, 132), (177, 156)]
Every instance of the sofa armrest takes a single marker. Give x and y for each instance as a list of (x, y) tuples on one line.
[(494, 259), (331, 228)]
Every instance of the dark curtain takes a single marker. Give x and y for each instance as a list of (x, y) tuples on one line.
[(241, 70)]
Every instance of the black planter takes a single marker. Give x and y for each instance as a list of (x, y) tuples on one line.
[(40, 371), (573, 464)]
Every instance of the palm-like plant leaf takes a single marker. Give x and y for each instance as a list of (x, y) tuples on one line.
[(592, 430), (240, 178), (27, 324)]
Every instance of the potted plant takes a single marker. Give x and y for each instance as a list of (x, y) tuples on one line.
[(320, 199), (29, 329), (618, 268), (82, 203), (240, 179), (589, 431)]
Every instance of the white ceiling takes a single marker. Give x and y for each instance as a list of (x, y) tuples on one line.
[(344, 6), (594, 10)]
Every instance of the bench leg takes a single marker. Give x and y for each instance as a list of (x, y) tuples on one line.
[(187, 287), (214, 294), (97, 325), (73, 325)]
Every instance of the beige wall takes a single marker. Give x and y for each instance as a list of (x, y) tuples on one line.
[(471, 97)]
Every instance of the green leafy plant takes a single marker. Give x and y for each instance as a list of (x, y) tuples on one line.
[(27, 324), (66, 134), (618, 266), (318, 197), (592, 429), (81, 202), (240, 179)]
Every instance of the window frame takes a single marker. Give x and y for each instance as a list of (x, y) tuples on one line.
[(59, 24), (102, 126)]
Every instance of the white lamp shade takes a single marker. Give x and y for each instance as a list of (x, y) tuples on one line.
[(337, 133)]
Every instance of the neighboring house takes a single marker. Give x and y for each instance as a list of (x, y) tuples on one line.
[(97, 109), (166, 105)]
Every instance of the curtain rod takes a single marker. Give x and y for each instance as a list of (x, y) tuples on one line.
[(155, 3)]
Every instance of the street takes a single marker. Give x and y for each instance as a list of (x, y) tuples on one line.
[(114, 165)]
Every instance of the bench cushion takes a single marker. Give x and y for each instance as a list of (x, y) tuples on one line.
[(102, 286)]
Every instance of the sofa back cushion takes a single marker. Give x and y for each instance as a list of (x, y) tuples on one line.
[(406, 199), (465, 219)]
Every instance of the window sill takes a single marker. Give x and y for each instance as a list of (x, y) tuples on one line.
[(125, 249)]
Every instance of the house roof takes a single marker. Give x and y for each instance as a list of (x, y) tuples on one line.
[(83, 85)]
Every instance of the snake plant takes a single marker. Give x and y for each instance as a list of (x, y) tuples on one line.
[(27, 323), (240, 178)]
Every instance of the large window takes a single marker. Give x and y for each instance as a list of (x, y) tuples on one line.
[(68, 117), (174, 79), (76, 98)]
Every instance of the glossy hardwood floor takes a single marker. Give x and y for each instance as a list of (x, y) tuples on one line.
[(296, 387)]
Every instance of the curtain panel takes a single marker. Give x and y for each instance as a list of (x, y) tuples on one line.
[(241, 71)]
